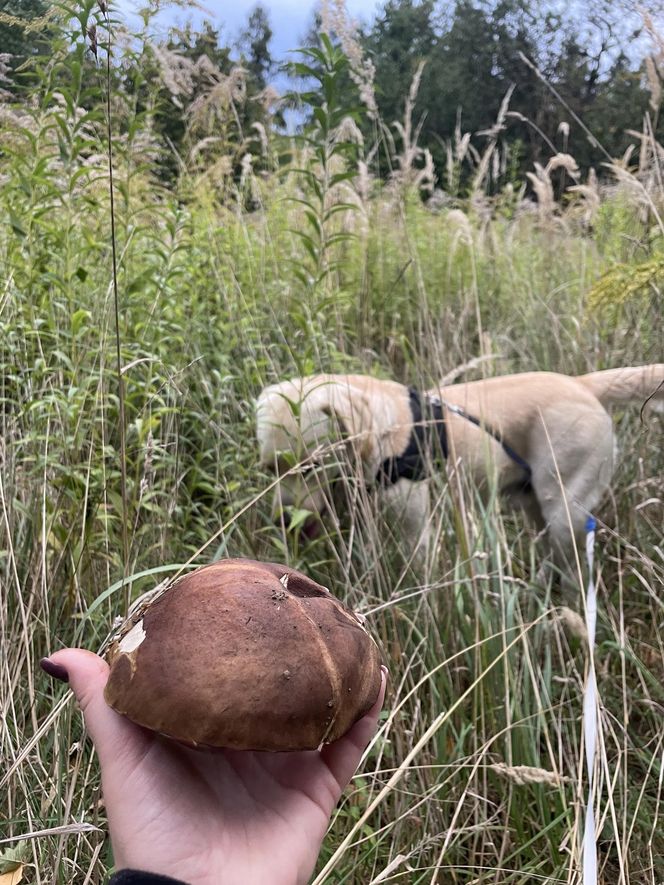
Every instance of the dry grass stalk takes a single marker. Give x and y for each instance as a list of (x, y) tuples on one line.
[(651, 159), (654, 61), (654, 84), (543, 188), (200, 87), (348, 131), (589, 201), (635, 191), (407, 174), (542, 184), (248, 183), (462, 230), (210, 107), (593, 140), (262, 138), (489, 153), (563, 161), (179, 74), (394, 864), (456, 153)]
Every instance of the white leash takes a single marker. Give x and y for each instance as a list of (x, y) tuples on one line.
[(590, 712)]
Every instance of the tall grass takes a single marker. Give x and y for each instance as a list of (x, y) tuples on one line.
[(476, 773)]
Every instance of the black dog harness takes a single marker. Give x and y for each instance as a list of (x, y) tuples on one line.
[(429, 435)]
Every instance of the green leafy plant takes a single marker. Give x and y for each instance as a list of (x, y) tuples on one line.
[(329, 158)]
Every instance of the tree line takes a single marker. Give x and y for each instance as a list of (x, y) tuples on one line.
[(577, 80)]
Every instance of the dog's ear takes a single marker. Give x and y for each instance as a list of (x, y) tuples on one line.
[(351, 409)]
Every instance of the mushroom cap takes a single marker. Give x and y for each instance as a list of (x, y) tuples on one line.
[(245, 655)]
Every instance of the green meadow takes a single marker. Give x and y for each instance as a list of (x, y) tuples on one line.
[(134, 340)]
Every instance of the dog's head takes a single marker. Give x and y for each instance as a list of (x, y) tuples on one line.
[(311, 433)]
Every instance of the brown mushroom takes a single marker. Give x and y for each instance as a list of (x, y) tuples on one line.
[(246, 655)]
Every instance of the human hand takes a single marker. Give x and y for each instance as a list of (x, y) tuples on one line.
[(225, 817)]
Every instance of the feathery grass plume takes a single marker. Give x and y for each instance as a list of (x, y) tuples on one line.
[(363, 183), (588, 204), (248, 186), (649, 173), (462, 230), (654, 84), (210, 100), (348, 131), (409, 149), (654, 61), (271, 101), (523, 775), (455, 155), (215, 170), (180, 74), (563, 161), (263, 139), (5, 67), (336, 21), (640, 190), (425, 180), (461, 144), (543, 186), (203, 145), (515, 115), (218, 98), (269, 98), (492, 133), (407, 173)]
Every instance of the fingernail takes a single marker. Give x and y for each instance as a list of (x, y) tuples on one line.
[(57, 671), (384, 671)]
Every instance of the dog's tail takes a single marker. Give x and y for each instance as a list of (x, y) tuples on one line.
[(614, 387)]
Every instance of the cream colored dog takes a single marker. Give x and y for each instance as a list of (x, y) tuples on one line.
[(545, 439)]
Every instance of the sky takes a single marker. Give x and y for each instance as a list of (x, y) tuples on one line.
[(289, 19)]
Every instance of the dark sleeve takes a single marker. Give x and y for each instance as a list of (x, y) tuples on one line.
[(136, 877)]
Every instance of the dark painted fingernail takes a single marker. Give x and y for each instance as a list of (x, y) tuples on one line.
[(57, 671)]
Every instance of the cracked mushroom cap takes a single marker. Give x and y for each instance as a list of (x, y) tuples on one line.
[(246, 655)]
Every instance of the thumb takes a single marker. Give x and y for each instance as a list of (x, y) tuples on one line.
[(343, 756), (87, 675)]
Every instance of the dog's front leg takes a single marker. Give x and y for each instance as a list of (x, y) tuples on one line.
[(407, 503)]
